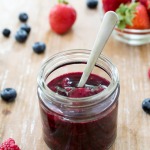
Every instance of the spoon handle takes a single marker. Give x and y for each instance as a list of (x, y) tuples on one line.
[(108, 23)]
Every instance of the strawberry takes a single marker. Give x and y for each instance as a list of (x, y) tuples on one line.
[(146, 3), (62, 16), (133, 16), (113, 5), (124, 1), (109, 5)]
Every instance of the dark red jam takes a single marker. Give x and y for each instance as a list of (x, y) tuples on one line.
[(62, 133), (66, 85)]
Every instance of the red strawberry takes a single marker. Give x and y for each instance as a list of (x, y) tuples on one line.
[(113, 4), (124, 1), (133, 16), (9, 144), (109, 5), (62, 16), (146, 3)]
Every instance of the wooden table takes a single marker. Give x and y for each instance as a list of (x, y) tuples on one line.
[(19, 67)]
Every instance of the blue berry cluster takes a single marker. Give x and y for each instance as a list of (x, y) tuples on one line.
[(10, 94), (23, 32)]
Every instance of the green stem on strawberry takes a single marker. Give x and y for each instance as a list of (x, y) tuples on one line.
[(126, 13), (62, 2)]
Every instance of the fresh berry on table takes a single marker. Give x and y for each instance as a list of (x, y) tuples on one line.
[(8, 94), (26, 28), (23, 17), (39, 47), (21, 36), (62, 17), (133, 16), (92, 3), (9, 144), (149, 73), (113, 4), (146, 105), (6, 32)]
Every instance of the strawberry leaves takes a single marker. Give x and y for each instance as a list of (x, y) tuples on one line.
[(126, 13), (133, 16), (62, 2)]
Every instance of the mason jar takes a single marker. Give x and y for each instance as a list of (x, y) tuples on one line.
[(87, 123)]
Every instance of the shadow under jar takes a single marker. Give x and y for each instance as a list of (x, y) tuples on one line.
[(86, 123)]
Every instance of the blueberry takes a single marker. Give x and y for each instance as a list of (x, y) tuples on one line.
[(8, 94), (21, 36), (92, 3), (26, 28), (23, 17), (146, 105), (6, 32), (39, 47)]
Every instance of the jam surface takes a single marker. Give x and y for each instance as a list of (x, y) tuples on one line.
[(60, 133), (67, 85)]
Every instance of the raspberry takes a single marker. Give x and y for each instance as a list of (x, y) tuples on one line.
[(149, 73), (9, 144)]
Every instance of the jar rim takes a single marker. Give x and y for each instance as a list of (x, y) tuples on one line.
[(114, 83)]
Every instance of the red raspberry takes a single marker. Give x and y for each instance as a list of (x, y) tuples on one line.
[(9, 144), (149, 73)]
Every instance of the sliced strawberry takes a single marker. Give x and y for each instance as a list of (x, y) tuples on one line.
[(133, 16), (61, 18)]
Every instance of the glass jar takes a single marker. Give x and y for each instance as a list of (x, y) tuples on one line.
[(132, 37), (88, 123)]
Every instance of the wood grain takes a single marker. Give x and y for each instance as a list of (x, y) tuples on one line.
[(19, 67)]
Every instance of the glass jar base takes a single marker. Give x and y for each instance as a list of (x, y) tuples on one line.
[(132, 39), (106, 148)]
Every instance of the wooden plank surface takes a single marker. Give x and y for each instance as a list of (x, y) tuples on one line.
[(19, 67)]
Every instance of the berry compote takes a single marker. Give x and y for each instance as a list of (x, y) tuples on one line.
[(79, 125)]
